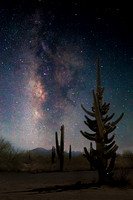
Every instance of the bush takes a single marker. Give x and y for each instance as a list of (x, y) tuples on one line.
[(124, 160), (10, 159), (121, 178)]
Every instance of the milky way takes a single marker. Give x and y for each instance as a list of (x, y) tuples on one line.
[(48, 68)]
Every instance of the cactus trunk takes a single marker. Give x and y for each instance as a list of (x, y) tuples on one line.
[(101, 161), (70, 152), (60, 148), (53, 154)]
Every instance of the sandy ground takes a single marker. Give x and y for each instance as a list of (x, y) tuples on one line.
[(23, 186)]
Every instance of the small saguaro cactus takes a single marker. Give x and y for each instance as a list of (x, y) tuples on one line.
[(29, 156), (105, 153), (60, 148), (53, 154), (90, 156), (70, 152)]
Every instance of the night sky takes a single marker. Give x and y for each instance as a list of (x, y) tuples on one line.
[(48, 60)]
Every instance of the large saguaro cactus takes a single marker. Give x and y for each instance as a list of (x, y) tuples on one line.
[(104, 155), (60, 148)]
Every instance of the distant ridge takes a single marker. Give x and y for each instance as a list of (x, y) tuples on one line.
[(45, 152), (75, 153), (41, 151)]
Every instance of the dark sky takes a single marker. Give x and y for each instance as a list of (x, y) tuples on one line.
[(48, 66)]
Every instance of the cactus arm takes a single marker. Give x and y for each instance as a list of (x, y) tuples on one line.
[(89, 135), (87, 155), (90, 156), (111, 164), (107, 118), (57, 144), (109, 146), (104, 110), (93, 128), (111, 152), (98, 116), (93, 122), (111, 116), (102, 91), (105, 106), (108, 140), (62, 139), (115, 122), (109, 130), (88, 112)]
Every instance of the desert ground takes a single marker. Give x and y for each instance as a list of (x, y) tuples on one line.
[(74, 185)]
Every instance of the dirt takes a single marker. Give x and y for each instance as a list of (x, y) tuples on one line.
[(78, 185)]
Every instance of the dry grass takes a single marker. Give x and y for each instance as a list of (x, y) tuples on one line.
[(44, 164), (77, 163), (124, 160)]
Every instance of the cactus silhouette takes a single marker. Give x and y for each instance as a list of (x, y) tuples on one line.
[(60, 148), (53, 154), (103, 158), (90, 156), (70, 152)]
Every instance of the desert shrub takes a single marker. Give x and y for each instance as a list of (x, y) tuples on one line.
[(5, 146), (6, 154), (124, 160), (40, 163), (121, 177), (10, 159), (128, 157), (77, 163), (118, 161)]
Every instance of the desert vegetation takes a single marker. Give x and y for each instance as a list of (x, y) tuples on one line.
[(29, 161)]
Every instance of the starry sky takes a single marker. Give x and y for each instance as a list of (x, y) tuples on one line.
[(48, 61)]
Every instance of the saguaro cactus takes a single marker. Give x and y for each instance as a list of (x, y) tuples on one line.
[(70, 152), (53, 154), (105, 146), (90, 156), (60, 148)]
